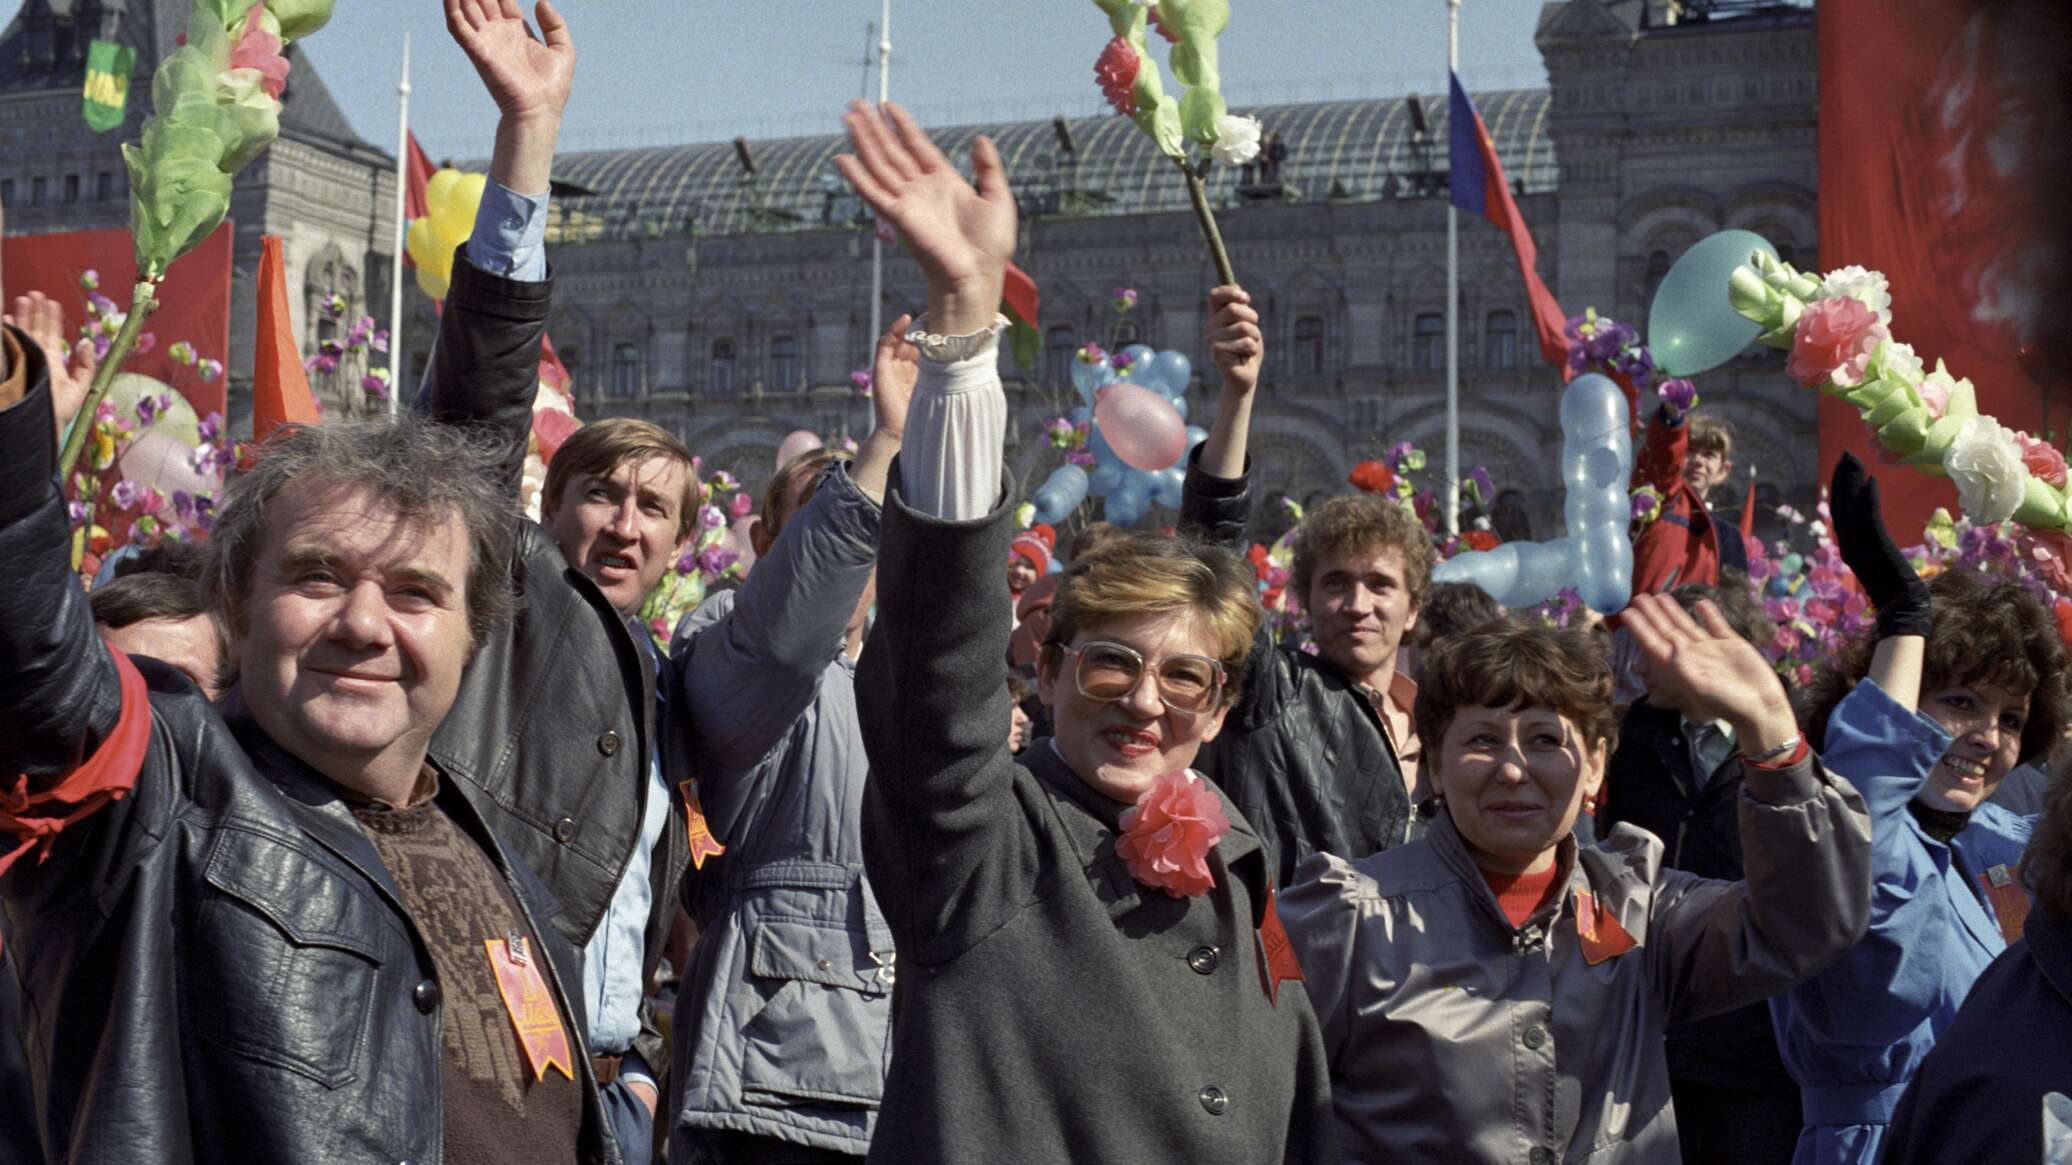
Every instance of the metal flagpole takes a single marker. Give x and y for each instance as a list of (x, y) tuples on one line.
[(1452, 305), (878, 240), (396, 266)]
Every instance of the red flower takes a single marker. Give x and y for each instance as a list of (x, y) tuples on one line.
[(1257, 557), (1372, 477), (2043, 460), (2064, 614), (261, 50), (1167, 835), (1481, 540), (1116, 70), (1833, 338)]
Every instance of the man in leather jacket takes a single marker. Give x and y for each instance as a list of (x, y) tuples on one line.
[(270, 929), (559, 731), (1319, 752)]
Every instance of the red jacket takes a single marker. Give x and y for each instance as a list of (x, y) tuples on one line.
[(1682, 545)]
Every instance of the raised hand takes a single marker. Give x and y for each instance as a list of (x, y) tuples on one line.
[(527, 74), (71, 365), (1234, 338), (1702, 669), (894, 369), (962, 236), (1888, 580)]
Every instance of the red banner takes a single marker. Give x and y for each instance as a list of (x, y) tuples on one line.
[(1929, 154), (193, 301)]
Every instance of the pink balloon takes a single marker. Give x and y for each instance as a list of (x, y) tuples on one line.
[(796, 442), (163, 460), (1143, 428)]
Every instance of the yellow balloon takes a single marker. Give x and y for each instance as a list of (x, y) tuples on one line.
[(453, 215), (433, 256), (439, 188)]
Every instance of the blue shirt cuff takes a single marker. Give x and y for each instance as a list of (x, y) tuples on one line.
[(634, 1069), (510, 237)]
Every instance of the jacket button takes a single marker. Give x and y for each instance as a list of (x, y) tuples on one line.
[(426, 995), (608, 744), (1213, 1099), (1535, 1036), (1204, 960), (564, 829), (824, 965), (1540, 1155)]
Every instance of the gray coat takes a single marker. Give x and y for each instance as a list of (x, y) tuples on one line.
[(1049, 1008), (782, 1024), (1454, 1036)]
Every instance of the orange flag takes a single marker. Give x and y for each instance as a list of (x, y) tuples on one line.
[(280, 388)]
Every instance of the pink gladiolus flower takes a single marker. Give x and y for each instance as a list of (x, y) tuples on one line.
[(2043, 460), (1116, 71), (1834, 341), (739, 505), (1167, 835), (1935, 395), (261, 50)]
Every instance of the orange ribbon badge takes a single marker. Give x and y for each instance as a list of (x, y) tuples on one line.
[(703, 844), (1602, 936), (530, 1006)]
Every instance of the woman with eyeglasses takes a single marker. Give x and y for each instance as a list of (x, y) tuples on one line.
[(1089, 964), (1492, 992)]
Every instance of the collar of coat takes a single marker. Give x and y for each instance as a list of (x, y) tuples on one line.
[(1091, 820), (1609, 888)]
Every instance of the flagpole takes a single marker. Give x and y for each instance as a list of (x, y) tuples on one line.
[(878, 240), (395, 351), (1452, 305)]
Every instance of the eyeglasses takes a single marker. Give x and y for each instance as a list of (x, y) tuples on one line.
[(1109, 671)]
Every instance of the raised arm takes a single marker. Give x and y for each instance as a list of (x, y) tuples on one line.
[(484, 370), (1805, 837), (1216, 498)]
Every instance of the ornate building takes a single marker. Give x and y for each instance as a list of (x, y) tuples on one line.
[(323, 189), (723, 289)]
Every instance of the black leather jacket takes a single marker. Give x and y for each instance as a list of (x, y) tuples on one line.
[(1303, 754), (216, 965), (551, 730)]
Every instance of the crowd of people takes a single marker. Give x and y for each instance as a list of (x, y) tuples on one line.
[(376, 828)]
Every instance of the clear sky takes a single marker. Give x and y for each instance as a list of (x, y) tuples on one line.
[(657, 72)]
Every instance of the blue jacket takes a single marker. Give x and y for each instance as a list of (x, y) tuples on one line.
[(1853, 1035)]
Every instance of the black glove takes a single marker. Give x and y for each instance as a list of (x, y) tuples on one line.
[(1894, 589)]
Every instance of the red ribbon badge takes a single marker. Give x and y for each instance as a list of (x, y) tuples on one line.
[(1277, 961), (703, 844), (531, 1007), (1602, 936)]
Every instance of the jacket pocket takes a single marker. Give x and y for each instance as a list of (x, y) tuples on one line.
[(820, 1034), (288, 953)]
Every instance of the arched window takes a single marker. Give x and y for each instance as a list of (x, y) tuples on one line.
[(1500, 341), (1309, 346), (1060, 348), (627, 370), (721, 380), (785, 370), (1428, 343), (1658, 266), (1126, 334), (1509, 518)]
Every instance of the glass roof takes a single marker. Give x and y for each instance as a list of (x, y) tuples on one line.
[(1339, 150)]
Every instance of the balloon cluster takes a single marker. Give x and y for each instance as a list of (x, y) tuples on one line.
[(1596, 557), (451, 198), (1136, 408)]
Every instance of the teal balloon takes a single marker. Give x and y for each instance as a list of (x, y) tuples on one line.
[(1693, 325)]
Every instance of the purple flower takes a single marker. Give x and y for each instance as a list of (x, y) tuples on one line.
[(1485, 487), (715, 559), (721, 479), (76, 512), (379, 341), (210, 370), (1678, 393), (1082, 459), (1121, 360), (90, 279), (125, 494), (148, 407), (861, 378), (710, 517), (375, 386), (101, 304)]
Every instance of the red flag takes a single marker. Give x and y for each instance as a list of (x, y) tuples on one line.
[(552, 370), (417, 171), (1748, 509), (280, 387), (1476, 184)]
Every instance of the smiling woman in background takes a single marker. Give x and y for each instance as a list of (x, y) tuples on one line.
[(1494, 992)]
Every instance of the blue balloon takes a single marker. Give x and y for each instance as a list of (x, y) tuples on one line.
[(1597, 556), (1087, 379), (1128, 503), (1172, 370), (1060, 493), (1103, 453), (1167, 487), (1179, 404), (1139, 362), (1106, 478), (1080, 415), (1195, 436), (1693, 325)]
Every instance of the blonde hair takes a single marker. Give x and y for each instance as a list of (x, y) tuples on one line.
[(602, 446), (1140, 574)]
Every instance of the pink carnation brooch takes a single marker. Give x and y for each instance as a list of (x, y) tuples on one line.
[(1167, 835)]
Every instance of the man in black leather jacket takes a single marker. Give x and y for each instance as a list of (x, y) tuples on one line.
[(268, 929), (557, 733), (1316, 749)]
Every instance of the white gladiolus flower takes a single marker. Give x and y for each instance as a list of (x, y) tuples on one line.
[(1237, 139), (1986, 465), (1868, 287), (1901, 363)]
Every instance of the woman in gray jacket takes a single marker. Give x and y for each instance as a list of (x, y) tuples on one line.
[(1492, 992)]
